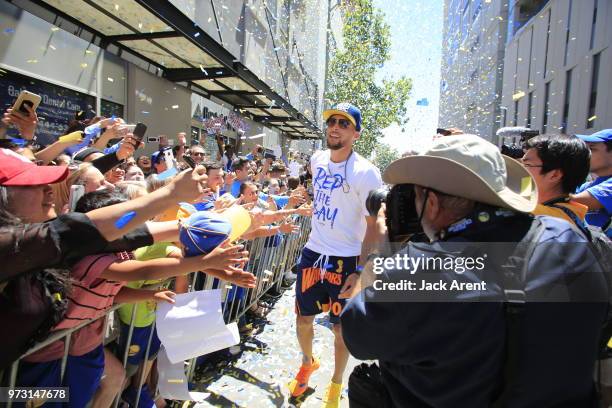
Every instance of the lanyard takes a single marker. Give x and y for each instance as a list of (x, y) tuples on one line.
[(344, 180)]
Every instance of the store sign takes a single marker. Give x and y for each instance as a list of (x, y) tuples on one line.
[(57, 108), (213, 121)]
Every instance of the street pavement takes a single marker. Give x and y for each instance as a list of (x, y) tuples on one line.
[(258, 376)]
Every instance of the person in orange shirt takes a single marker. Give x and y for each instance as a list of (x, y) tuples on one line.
[(559, 164)]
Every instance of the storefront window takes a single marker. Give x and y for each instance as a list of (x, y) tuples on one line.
[(57, 108), (109, 109)]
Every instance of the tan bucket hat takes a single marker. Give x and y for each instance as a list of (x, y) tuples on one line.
[(470, 167)]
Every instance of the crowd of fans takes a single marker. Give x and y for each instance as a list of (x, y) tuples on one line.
[(100, 167)]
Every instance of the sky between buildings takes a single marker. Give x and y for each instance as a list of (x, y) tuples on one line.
[(416, 52)]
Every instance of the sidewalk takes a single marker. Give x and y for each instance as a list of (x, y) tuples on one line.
[(268, 361)]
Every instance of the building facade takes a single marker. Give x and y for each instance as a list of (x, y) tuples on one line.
[(472, 65), (557, 74), (255, 67), (543, 64)]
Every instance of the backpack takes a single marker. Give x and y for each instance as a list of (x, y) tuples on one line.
[(514, 280), (31, 304), (602, 248), (366, 388)]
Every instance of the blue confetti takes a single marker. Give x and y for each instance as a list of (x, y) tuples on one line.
[(359, 268), (329, 266), (125, 219), (9, 30)]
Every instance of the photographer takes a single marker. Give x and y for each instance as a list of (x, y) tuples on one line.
[(468, 348)]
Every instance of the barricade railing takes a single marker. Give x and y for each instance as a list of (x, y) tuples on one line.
[(270, 258)]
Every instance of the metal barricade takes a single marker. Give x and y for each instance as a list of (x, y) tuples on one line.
[(267, 262)]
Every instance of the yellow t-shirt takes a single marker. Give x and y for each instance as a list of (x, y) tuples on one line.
[(145, 311)]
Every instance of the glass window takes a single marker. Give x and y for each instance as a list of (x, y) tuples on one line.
[(594, 26), (566, 104), (546, 108), (593, 97)]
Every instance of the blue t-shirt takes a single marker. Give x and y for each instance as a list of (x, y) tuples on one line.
[(601, 190), (236, 188), (281, 201)]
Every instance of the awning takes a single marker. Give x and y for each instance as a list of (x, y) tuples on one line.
[(157, 32)]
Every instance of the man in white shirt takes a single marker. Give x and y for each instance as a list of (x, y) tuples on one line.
[(328, 269), (294, 166)]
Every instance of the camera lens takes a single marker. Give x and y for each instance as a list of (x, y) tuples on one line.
[(375, 199)]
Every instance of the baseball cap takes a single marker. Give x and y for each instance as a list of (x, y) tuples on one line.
[(351, 112), (16, 170), (600, 137), (470, 167), (203, 231), (158, 155)]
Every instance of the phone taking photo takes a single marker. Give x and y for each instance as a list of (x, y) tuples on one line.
[(139, 131), (443, 132), (26, 99), (189, 161), (76, 192), (269, 154)]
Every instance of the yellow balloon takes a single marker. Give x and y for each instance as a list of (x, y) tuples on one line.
[(240, 220)]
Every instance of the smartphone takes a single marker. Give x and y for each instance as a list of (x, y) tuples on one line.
[(443, 132), (139, 131), (189, 161), (24, 99), (269, 154), (169, 158), (76, 192)]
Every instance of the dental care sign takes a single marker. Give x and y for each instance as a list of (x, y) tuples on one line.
[(58, 105)]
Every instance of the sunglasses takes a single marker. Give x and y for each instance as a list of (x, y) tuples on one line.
[(343, 123)]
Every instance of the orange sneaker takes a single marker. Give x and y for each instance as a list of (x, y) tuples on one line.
[(299, 384)]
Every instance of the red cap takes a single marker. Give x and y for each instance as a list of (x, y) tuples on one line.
[(16, 170)]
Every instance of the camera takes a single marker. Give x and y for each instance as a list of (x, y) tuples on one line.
[(513, 151), (517, 137), (402, 219)]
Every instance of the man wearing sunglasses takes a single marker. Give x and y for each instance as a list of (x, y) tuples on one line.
[(328, 267), (197, 153)]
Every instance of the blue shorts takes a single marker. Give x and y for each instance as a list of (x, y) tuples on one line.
[(314, 295), (83, 375), (138, 344)]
